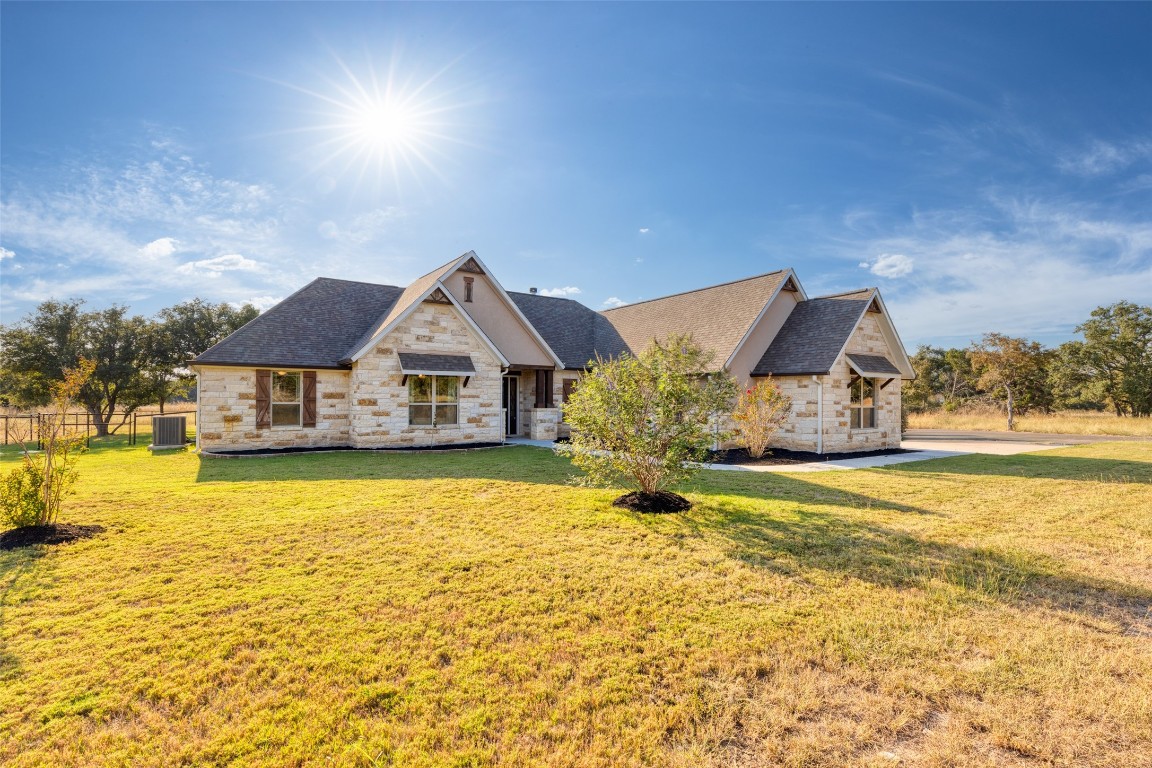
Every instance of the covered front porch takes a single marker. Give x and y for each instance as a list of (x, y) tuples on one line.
[(529, 403)]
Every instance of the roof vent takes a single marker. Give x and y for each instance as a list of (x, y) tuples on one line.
[(532, 291)]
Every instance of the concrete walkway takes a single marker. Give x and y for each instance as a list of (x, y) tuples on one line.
[(937, 445)]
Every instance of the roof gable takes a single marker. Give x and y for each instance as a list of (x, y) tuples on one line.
[(814, 335), (718, 317), (312, 328)]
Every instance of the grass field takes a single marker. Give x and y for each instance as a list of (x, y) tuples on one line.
[(1061, 422), (475, 610)]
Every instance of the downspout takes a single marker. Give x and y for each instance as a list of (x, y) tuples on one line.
[(819, 414), (198, 422)]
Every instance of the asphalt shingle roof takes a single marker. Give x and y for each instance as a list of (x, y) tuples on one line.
[(573, 331), (414, 362), (813, 335), (718, 317), (872, 364), (316, 327)]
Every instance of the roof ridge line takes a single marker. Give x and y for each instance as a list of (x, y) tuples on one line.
[(844, 293), (357, 282), (696, 290)]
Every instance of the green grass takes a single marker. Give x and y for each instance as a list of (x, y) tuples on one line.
[(474, 609)]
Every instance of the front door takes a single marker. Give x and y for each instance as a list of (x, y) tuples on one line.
[(510, 402)]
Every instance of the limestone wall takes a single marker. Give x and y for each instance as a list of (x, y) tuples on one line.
[(378, 402), (227, 419), (867, 339)]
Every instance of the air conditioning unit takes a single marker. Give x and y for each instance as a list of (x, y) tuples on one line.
[(168, 432)]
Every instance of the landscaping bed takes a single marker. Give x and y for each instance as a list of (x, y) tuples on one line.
[(739, 456)]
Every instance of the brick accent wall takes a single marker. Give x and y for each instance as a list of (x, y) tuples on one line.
[(227, 419), (378, 402)]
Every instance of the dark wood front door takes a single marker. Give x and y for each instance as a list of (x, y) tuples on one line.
[(510, 402)]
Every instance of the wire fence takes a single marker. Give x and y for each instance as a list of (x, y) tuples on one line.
[(28, 429)]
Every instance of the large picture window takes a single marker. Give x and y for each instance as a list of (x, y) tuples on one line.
[(862, 406), (433, 400), (285, 400)]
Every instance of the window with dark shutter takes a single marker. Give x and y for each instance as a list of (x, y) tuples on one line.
[(309, 400), (263, 399)]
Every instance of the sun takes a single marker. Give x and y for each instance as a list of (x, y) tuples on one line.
[(384, 126)]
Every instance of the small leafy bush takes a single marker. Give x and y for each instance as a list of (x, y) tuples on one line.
[(760, 412), (21, 497)]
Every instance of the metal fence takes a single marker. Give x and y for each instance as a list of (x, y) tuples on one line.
[(28, 428)]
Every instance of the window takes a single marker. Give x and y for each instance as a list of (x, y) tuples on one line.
[(468, 288), (433, 400), (862, 405), (285, 399), (569, 387)]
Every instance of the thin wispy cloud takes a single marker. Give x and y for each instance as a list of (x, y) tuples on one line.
[(1026, 267), (214, 267), (568, 290), (1105, 157)]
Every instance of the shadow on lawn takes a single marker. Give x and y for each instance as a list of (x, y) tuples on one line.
[(520, 464), (808, 538)]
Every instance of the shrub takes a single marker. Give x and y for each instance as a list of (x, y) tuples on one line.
[(646, 422), (760, 412), (21, 498)]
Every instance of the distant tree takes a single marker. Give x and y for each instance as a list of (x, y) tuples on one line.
[(37, 351), (180, 333), (642, 422), (1010, 367), (1115, 358), (944, 378)]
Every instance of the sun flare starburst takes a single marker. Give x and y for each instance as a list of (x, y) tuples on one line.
[(385, 127)]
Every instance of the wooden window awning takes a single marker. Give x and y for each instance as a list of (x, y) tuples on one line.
[(421, 364), (872, 366)]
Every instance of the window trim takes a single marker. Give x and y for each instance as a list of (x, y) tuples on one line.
[(298, 402), (856, 389), (434, 403)]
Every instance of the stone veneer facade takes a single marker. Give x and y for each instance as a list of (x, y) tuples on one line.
[(366, 407), (227, 417), (378, 402), (800, 433)]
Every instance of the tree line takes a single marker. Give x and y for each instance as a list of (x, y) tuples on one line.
[(1111, 369), (138, 360)]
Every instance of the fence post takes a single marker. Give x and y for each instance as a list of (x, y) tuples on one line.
[(39, 430)]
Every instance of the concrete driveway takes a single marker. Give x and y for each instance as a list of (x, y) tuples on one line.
[(939, 444)]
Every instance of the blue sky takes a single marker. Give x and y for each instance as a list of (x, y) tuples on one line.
[(988, 166)]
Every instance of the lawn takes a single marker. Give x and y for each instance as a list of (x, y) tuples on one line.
[(474, 609)]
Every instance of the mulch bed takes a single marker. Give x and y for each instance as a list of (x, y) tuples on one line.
[(782, 456), (327, 449), (57, 533), (661, 501)]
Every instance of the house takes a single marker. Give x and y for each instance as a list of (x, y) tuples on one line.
[(455, 358)]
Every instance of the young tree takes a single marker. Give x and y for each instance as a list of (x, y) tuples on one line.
[(33, 493), (1009, 365), (642, 422), (760, 412)]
